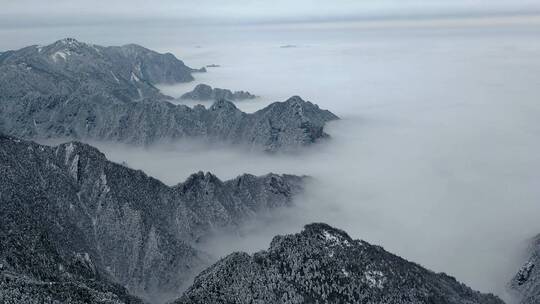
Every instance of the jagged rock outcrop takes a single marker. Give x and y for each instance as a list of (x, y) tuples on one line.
[(70, 217), (75, 90), (324, 265), (206, 92), (526, 283)]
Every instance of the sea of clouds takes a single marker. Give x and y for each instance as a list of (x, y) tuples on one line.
[(437, 153)]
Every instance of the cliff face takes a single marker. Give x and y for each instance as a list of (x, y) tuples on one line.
[(70, 216), (526, 283), (324, 265)]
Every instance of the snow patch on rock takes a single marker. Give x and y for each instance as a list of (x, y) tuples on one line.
[(69, 150), (375, 278), (74, 167), (115, 78), (134, 77), (60, 55), (103, 183), (335, 239)]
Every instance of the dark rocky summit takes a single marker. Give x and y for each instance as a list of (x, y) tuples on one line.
[(206, 92), (324, 265), (75, 90), (74, 225), (526, 283)]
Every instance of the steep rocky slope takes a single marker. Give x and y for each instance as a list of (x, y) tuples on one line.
[(71, 217), (324, 265), (71, 89), (206, 92), (526, 283)]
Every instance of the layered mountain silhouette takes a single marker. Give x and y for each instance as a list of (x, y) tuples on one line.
[(81, 91)]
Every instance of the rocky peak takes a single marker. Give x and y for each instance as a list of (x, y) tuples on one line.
[(296, 100), (66, 44), (327, 233), (317, 235), (223, 105), (205, 92), (62, 50), (203, 89), (69, 43), (297, 106), (199, 179)]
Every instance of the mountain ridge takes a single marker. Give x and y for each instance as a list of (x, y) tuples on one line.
[(79, 91)]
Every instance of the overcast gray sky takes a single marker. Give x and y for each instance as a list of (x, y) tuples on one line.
[(62, 12)]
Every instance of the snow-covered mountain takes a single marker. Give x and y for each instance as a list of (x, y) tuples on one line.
[(72, 220), (72, 89), (75, 69), (322, 264)]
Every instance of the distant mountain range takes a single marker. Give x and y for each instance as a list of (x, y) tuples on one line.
[(322, 264), (72, 220), (71, 89)]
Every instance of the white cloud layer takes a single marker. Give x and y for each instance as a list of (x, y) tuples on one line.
[(437, 156)]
